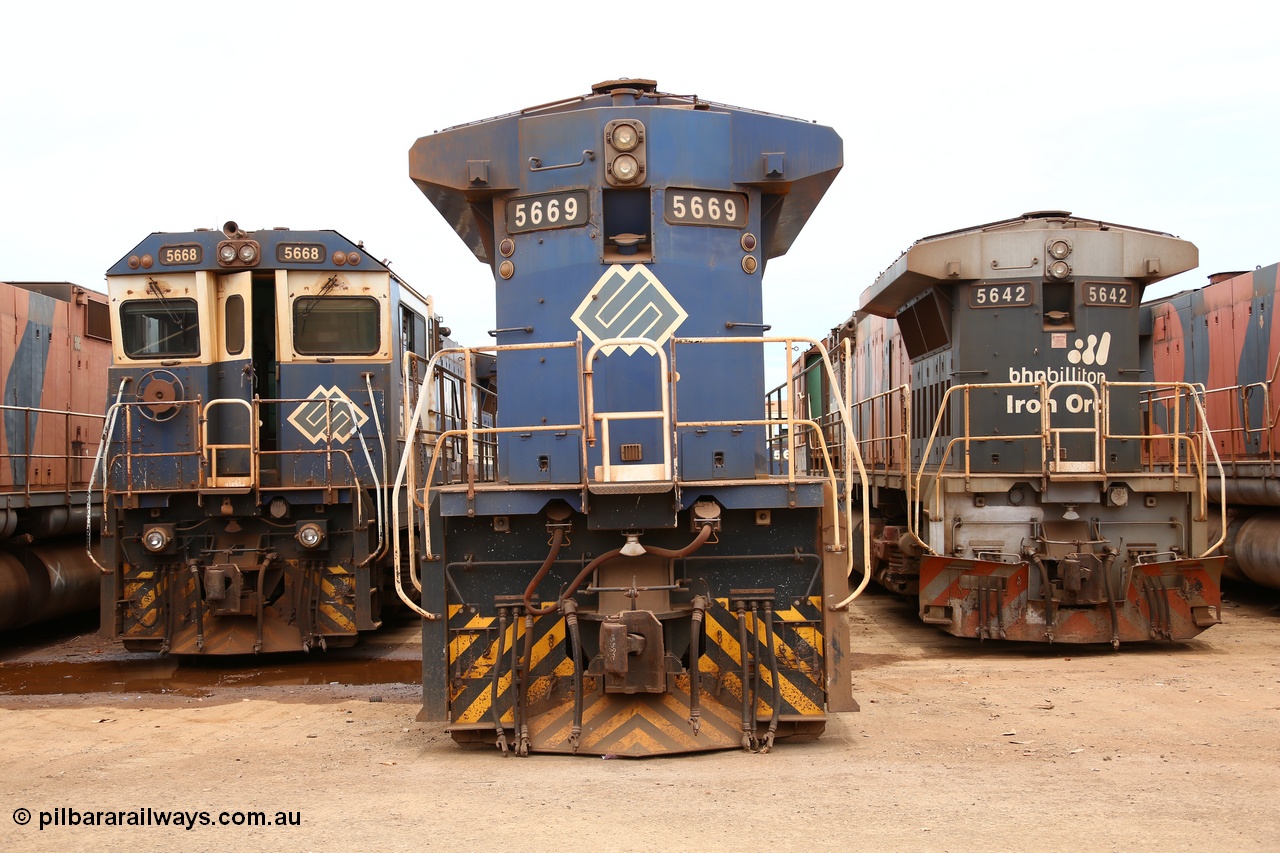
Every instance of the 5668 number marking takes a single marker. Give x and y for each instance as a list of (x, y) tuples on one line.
[(301, 253), (183, 254)]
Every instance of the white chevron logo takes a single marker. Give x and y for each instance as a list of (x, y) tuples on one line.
[(320, 418), (629, 304)]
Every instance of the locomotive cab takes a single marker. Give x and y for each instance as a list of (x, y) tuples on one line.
[(247, 447)]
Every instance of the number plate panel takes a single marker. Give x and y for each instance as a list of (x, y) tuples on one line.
[(1109, 295), (548, 210), (180, 254), (301, 253), (702, 207), (1000, 295)]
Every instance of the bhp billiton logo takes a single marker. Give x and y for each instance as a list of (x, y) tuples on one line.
[(629, 304), (1087, 354)]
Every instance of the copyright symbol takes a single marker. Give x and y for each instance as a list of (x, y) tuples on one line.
[(21, 817)]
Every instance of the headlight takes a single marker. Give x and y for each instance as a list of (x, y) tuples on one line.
[(156, 539), (1059, 249), (625, 168), (227, 253), (310, 534), (248, 253), (625, 137), (1059, 269)]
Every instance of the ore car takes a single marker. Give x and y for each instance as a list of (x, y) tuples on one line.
[(1222, 337), (617, 571), (255, 415), (53, 367), (1021, 488)]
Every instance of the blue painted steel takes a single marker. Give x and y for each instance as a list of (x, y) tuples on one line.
[(709, 148)]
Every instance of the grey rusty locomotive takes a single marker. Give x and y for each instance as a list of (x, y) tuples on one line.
[(1030, 480), (254, 419), (615, 569)]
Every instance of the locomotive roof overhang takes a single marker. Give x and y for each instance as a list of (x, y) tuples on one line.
[(461, 168), (1015, 249), (267, 239)]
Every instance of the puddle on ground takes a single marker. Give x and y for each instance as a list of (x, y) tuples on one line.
[(198, 677)]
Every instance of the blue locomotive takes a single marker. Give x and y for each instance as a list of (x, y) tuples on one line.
[(254, 420), (615, 569)]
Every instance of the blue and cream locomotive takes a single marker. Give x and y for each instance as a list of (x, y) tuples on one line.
[(619, 571), (253, 423)]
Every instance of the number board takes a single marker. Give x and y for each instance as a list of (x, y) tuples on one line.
[(181, 254), (547, 211), (999, 295), (699, 207), (301, 253), (1110, 295)]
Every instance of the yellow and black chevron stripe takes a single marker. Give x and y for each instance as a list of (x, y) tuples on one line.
[(473, 650), (141, 602), (640, 724), (797, 643), (336, 607)]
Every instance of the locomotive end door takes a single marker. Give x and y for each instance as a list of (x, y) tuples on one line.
[(230, 443)]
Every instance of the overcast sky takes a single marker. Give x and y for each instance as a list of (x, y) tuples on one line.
[(121, 119)]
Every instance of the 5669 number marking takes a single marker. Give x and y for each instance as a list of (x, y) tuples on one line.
[(543, 212), (700, 207)]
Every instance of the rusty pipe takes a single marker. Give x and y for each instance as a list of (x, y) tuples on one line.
[(695, 655), (773, 674), (526, 673), (748, 734), (557, 539), (757, 678), (575, 645), (194, 566), (499, 731), (703, 535)]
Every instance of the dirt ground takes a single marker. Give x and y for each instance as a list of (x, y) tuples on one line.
[(958, 746)]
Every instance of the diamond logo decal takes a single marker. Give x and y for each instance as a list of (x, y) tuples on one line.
[(314, 419), (629, 304)]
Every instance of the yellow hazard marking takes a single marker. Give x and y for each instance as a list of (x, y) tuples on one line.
[(728, 641), (341, 619), (547, 644)]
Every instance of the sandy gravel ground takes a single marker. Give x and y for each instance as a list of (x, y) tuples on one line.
[(958, 746)]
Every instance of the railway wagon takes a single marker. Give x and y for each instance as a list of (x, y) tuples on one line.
[(1020, 489), (54, 352), (255, 414), (1222, 337), (618, 572)]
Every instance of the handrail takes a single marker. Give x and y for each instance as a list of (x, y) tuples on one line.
[(1197, 455), (406, 475)]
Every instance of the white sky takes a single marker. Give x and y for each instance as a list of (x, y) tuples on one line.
[(121, 119)]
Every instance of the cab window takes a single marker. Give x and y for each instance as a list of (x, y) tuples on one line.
[(155, 328), (336, 325)]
